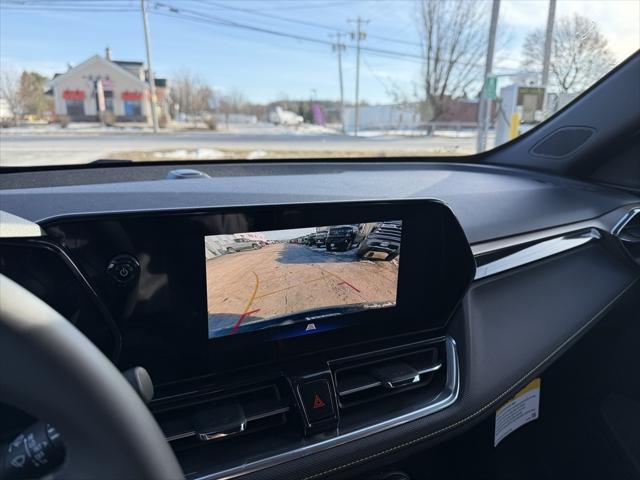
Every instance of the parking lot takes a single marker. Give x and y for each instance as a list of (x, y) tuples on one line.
[(284, 278)]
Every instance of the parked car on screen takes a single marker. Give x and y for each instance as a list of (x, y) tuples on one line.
[(340, 237), (321, 238), (240, 244), (382, 242)]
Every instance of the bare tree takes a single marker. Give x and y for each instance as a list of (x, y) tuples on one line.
[(454, 40), (191, 94), (232, 102), (10, 92), (580, 54)]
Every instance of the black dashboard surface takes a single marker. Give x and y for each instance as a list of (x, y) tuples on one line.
[(490, 202), (510, 326)]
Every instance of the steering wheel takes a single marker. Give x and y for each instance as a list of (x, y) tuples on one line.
[(52, 371)]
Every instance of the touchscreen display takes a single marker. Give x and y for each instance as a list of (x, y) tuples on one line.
[(275, 278)]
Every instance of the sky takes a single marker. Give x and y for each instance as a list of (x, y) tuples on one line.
[(287, 234), (267, 67)]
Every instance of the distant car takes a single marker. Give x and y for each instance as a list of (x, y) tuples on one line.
[(382, 242), (320, 239), (240, 244), (340, 238)]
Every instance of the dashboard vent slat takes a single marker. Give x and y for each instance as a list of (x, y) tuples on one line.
[(366, 379), (257, 408)]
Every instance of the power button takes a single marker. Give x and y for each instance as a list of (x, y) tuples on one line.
[(123, 269)]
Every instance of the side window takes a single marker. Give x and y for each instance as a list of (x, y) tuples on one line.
[(75, 108), (132, 108)]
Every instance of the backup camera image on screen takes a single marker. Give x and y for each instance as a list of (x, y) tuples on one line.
[(260, 280)]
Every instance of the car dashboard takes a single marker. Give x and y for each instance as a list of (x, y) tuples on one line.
[(498, 273)]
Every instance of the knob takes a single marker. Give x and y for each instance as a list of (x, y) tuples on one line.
[(123, 269)]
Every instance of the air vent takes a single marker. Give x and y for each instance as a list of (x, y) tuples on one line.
[(382, 374), (190, 421)]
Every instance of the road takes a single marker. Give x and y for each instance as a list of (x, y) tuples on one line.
[(70, 147), (250, 286)]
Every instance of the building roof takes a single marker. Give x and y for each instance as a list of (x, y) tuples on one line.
[(96, 58)]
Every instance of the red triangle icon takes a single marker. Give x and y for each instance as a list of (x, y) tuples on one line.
[(317, 402)]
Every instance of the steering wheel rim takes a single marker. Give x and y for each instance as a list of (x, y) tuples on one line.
[(49, 369)]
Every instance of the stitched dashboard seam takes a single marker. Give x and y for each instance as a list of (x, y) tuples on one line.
[(486, 406)]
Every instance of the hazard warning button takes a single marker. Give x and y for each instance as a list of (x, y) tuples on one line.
[(317, 400)]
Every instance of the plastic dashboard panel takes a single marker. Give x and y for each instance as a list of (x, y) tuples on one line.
[(510, 327), (489, 202)]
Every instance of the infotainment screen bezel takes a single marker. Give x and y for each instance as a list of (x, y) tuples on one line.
[(163, 316)]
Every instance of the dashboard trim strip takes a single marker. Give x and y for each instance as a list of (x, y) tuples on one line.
[(630, 215), (536, 252), (444, 399)]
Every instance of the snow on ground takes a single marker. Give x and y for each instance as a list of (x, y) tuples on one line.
[(256, 155), (75, 128), (260, 128), (382, 134)]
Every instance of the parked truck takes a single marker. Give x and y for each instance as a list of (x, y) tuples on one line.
[(382, 241), (340, 237)]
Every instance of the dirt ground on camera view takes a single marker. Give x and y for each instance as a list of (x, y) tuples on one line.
[(280, 279)]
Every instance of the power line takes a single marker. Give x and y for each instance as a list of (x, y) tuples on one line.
[(303, 22), (270, 15), (206, 19), (202, 17)]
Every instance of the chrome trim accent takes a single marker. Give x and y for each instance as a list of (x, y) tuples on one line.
[(431, 369), (604, 223), (180, 435), (13, 226), (618, 227), (361, 388), (402, 383), (536, 252), (260, 416), (375, 384), (443, 400), (207, 436)]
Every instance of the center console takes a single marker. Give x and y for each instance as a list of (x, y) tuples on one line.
[(274, 331)]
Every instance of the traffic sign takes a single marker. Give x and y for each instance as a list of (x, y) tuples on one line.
[(490, 85)]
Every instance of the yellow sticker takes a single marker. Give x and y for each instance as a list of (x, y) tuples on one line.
[(523, 408)]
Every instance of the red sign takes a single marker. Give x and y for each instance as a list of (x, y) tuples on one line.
[(318, 402), (131, 95), (73, 95)]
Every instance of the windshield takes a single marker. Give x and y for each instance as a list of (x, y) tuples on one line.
[(181, 80)]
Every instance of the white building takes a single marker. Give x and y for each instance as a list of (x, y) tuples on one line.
[(100, 84), (382, 117), (5, 111)]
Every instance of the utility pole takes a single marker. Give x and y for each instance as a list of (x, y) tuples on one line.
[(358, 35), (339, 47), (484, 110), (548, 43), (151, 77)]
